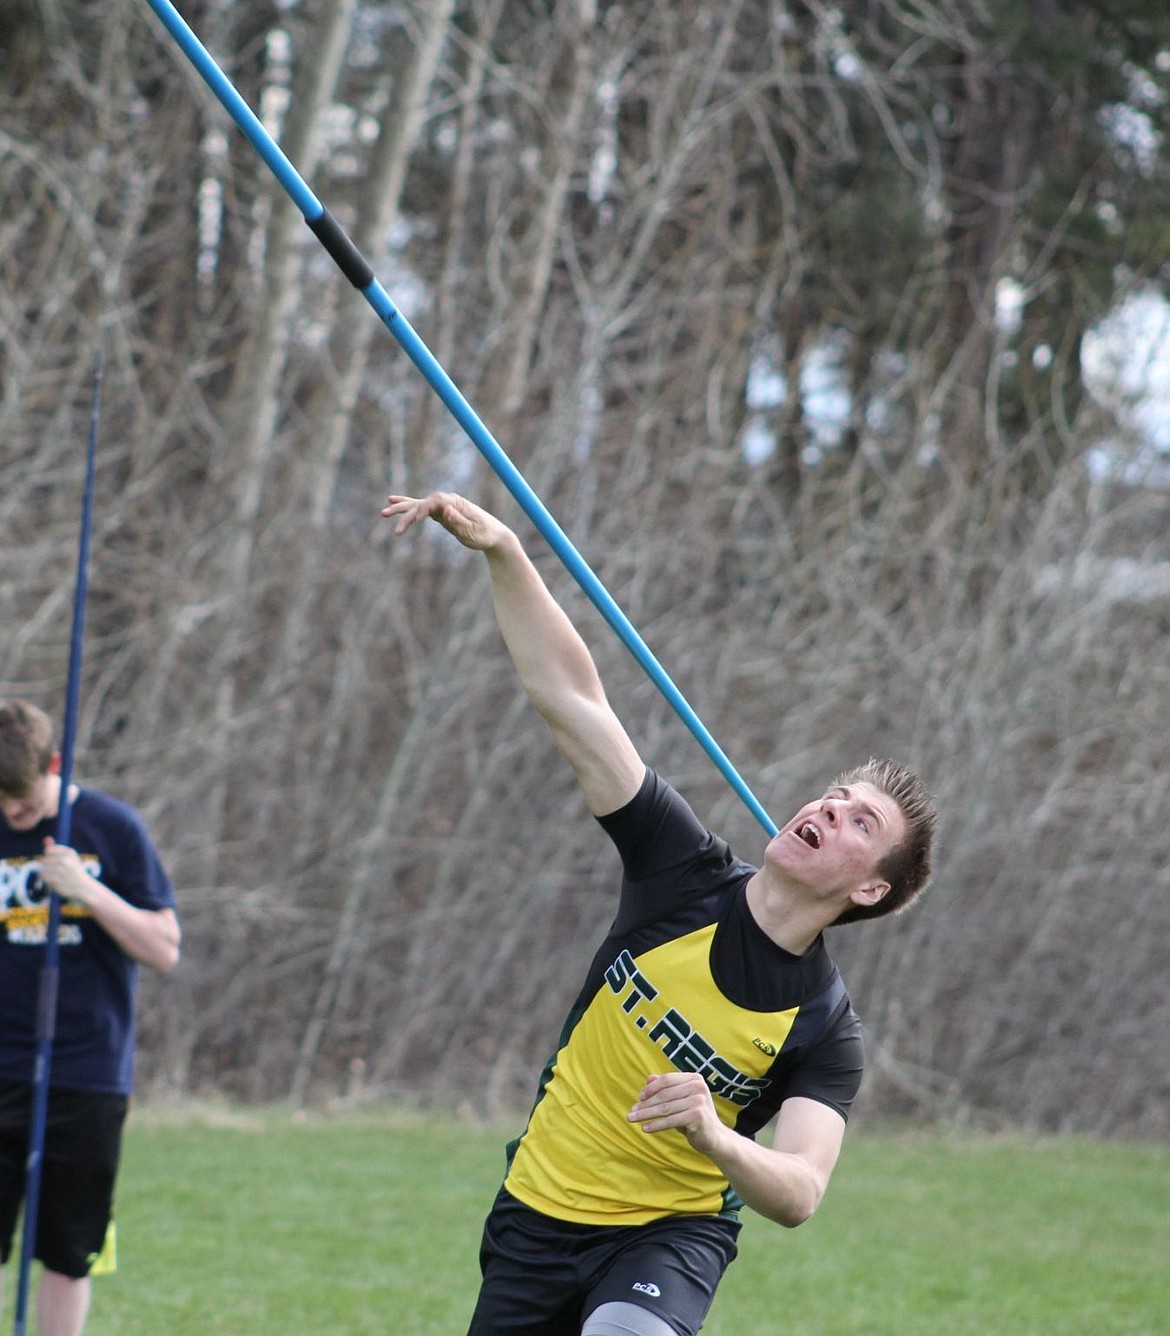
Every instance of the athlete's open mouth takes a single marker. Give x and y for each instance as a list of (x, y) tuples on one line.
[(810, 835)]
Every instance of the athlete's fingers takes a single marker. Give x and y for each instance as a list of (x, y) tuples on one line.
[(672, 1106), (667, 1084), (408, 510)]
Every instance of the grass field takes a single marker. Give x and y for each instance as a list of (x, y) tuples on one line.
[(258, 1224)]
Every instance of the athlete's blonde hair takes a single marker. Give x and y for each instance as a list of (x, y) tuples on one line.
[(907, 866)]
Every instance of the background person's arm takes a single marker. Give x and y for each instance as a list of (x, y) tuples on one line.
[(150, 936)]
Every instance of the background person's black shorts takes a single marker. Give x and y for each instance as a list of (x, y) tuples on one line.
[(83, 1143), (543, 1277)]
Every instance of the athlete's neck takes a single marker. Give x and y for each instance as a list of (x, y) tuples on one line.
[(791, 924)]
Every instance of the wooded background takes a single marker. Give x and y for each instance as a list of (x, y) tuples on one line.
[(785, 311)]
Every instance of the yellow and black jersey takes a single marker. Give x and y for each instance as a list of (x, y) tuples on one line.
[(686, 979)]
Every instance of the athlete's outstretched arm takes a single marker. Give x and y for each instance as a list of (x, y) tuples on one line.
[(554, 665)]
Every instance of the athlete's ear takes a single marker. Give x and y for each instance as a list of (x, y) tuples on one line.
[(54, 766), (868, 896)]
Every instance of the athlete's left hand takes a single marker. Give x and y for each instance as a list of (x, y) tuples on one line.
[(682, 1100)]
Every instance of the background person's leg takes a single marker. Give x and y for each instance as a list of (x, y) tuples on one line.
[(62, 1304)]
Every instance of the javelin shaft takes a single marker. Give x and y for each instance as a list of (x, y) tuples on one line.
[(46, 1019), (356, 268)]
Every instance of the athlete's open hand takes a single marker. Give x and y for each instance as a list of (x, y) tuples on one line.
[(473, 526), (682, 1100)]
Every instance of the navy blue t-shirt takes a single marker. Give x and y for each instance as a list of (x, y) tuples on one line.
[(93, 1047)]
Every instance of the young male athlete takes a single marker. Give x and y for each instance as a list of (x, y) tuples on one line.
[(118, 912), (711, 1008)]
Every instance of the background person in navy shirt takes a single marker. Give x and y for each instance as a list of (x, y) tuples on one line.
[(119, 911)]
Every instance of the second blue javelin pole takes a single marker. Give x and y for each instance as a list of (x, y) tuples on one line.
[(50, 965), (355, 267)]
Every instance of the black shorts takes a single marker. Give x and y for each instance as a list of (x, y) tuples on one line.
[(543, 1277), (83, 1143)]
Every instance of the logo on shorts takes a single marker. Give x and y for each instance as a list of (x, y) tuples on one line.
[(647, 1287)]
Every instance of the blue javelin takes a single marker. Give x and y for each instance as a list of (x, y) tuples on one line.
[(355, 267)]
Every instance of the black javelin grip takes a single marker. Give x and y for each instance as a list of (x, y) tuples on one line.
[(334, 238)]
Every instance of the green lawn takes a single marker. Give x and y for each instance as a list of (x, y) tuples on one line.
[(256, 1223)]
